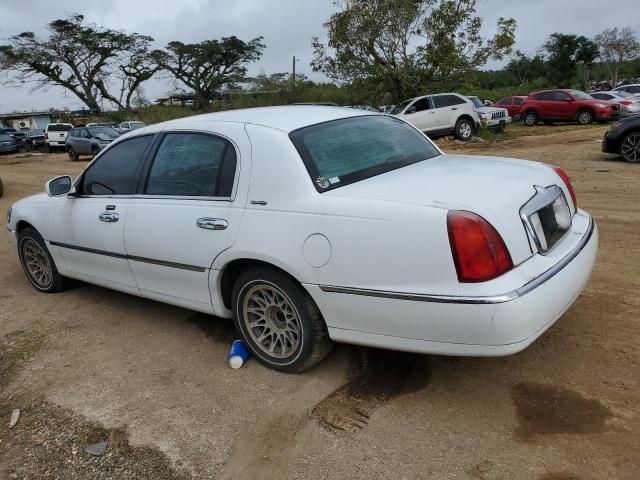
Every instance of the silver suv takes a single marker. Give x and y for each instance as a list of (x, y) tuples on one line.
[(89, 140), (440, 114)]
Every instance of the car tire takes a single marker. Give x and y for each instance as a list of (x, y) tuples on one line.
[(279, 321), (37, 262), (630, 147), (73, 155), (464, 129), (584, 117), (94, 152), (530, 118)]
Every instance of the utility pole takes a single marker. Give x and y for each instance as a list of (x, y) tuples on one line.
[(293, 76)]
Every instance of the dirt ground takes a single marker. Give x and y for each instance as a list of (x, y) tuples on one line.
[(92, 365)]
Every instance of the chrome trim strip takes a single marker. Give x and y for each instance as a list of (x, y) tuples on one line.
[(134, 258), (505, 297)]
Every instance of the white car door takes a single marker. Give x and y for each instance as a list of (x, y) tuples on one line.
[(89, 227), (442, 115), (420, 114), (188, 212)]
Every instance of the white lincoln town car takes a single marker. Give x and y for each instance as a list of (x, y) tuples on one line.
[(310, 225)]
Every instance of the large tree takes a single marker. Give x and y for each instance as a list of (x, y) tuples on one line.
[(82, 58), (564, 54), (208, 66), (525, 69), (617, 47), (398, 47)]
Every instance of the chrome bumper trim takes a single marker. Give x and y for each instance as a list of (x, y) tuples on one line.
[(505, 297)]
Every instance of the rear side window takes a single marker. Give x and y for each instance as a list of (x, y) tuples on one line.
[(505, 101), (455, 100), (59, 128), (441, 101), (194, 165), (116, 171), (634, 89)]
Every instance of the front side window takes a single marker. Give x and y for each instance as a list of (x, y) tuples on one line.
[(345, 151), (194, 165), (116, 171), (579, 95), (517, 101), (634, 89), (422, 104), (561, 96)]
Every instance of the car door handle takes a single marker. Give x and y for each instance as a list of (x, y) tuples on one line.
[(109, 217), (212, 223), (454, 108)]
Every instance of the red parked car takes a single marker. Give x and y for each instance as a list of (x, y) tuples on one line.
[(566, 105), (512, 104)]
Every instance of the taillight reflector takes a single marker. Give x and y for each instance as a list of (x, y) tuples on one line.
[(565, 178), (479, 253)]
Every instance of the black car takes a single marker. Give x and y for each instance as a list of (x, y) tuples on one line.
[(8, 144), (624, 139)]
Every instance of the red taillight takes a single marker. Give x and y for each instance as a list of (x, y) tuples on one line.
[(46, 136), (478, 250), (565, 178), (626, 102)]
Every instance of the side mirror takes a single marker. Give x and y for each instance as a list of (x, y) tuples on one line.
[(58, 186), (411, 109)]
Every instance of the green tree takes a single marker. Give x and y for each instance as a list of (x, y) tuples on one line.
[(564, 54), (209, 66), (398, 47), (617, 47), (524, 69), (83, 58)]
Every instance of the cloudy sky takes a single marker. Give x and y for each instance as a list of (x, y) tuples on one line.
[(286, 25)]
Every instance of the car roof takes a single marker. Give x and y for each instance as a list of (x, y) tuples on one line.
[(285, 118)]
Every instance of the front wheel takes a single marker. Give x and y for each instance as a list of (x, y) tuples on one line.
[(530, 118), (464, 129), (37, 262), (630, 148), (279, 321), (585, 117), (73, 155)]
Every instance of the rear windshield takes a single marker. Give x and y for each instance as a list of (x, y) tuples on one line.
[(60, 127), (345, 151)]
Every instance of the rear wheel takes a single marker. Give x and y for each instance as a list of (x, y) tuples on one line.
[(584, 117), (94, 152), (37, 262), (530, 118), (464, 129), (279, 321), (630, 147)]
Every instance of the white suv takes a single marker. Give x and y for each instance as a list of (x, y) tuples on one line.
[(440, 114)]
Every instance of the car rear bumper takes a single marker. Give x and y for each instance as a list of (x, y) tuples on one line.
[(494, 325)]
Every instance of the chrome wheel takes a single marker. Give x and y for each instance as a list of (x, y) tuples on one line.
[(530, 119), (465, 130), (37, 263), (631, 148), (585, 118), (272, 320)]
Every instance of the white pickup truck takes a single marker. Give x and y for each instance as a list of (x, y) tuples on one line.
[(55, 135)]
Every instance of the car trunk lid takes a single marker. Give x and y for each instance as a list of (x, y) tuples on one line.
[(494, 188)]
